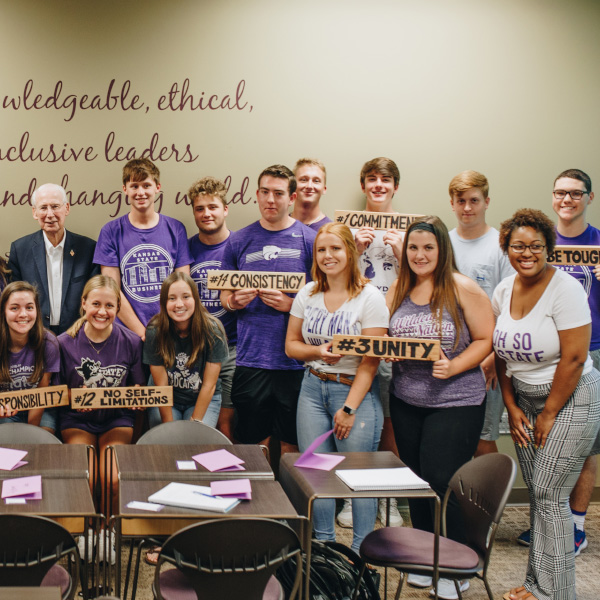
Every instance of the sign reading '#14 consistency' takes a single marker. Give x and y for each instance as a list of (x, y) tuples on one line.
[(575, 255), (122, 397), (241, 280), (376, 220), (48, 397), (386, 347)]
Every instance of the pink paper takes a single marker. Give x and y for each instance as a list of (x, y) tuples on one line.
[(322, 462), (29, 488), (217, 460), (234, 468), (238, 488), (10, 459)]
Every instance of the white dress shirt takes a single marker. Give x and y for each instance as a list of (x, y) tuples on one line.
[(54, 268)]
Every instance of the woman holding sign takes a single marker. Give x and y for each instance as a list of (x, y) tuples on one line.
[(96, 352), (437, 408), (551, 392), (338, 392), (28, 353)]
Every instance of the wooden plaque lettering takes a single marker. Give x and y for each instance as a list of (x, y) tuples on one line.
[(386, 347), (239, 280), (575, 255), (122, 397), (362, 218), (48, 397)]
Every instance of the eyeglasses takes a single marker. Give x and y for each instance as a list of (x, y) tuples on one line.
[(575, 194), (520, 248)]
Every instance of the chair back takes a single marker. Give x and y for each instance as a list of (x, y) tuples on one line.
[(183, 432), (230, 558), (482, 487), (23, 433), (30, 546)]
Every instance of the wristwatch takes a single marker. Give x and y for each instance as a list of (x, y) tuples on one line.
[(348, 410)]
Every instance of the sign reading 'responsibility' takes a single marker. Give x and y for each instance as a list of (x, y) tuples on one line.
[(575, 255), (386, 347), (241, 280), (362, 218), (122, 397), (48, 397)]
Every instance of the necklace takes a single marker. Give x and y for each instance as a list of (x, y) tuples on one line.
[(100, 344)]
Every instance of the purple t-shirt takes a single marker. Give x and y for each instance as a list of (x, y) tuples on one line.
[(22, 365), (261, 329), (206, 258), (318, 224), (412, 380), (144, 257), (116, 362), (585, 276)]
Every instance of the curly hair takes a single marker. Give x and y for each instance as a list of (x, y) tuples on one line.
[(528, 217)]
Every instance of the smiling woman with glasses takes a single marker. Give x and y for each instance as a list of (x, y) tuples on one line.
[(551, 392)]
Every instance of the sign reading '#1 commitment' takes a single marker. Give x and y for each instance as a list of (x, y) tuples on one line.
[(47, 397), (575, 255), (386, 347), (361, 218), (122, 397), (241, 280)]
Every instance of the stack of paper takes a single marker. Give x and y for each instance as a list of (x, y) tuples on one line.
[(232, 488), (219, 460), (22, 489), (362, 480), (11, 459), (186, 495)]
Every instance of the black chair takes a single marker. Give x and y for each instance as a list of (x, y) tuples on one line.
[(30, 548), (183, 432), (22, 433), (481, 487), (227, 558)]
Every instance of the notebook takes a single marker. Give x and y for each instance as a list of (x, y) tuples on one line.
[(361, 480), (186, 495)]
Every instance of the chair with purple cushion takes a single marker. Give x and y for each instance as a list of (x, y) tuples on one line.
[(30, 548), (227, 558), (481, 488)]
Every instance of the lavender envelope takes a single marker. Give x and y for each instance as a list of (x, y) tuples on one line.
[(10, 459), (232, 488), (29, 488), (322, 462), (217, 460)]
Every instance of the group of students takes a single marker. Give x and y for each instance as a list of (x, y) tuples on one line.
[(515, 319)]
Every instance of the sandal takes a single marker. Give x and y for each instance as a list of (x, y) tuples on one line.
[(153, 560)]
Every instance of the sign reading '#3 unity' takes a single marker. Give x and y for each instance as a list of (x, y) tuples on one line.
[(575, 255), (241, 280), (47, 397), (362, 218), (386, 347), (122, 397)]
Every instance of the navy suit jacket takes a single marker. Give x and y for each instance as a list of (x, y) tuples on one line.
[(27, 261)]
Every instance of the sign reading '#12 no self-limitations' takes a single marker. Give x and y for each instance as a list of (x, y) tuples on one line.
[(241, 280), (386, 347), (122, 397), (575, 255)]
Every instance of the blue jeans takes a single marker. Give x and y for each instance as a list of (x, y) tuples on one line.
[(183, 412), (317, 404)]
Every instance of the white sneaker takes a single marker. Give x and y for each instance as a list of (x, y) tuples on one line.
[(396, 519), (344, 518), (447, 589), (112, 557), (420, 581), (90, 545)]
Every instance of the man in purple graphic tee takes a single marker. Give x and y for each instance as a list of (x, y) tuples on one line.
[(266, 382), (140, 249)]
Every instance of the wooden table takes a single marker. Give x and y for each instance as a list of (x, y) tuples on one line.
[(304, 486), (30, 593), (62, 461)]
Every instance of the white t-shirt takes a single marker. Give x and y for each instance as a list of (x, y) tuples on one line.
[(482, 259), (531, 346), (366, 310)]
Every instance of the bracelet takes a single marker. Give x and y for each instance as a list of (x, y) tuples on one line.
[(229, 307)]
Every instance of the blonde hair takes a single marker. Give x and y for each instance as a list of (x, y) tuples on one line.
[(467, 180)]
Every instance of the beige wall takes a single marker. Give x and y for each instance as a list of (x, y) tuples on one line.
[(507, 87)]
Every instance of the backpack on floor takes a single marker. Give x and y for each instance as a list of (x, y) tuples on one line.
[(334, 570)]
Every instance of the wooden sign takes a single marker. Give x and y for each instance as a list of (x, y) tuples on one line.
[(386, 347), (48, 397), (575, 255), (122, 397), (376, 220), (240, 280)]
